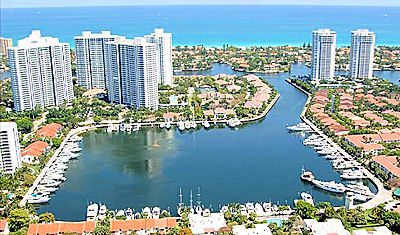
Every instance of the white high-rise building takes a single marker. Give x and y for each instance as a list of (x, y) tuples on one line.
[(362, 53), (10, 152), (40, 69), (90, 67), (164, 48), (323, 54), (132, 72)]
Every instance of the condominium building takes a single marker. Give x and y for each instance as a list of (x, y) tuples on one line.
[(90, 67), (40, 69), (132, 72), (5, 43), (10, 153), (362, 53), (323, 54), (163, 42)]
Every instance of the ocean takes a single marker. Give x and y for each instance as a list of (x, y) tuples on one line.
[(239, 25)]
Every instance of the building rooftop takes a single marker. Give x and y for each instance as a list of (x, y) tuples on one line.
[(389, 163), (61, 227)]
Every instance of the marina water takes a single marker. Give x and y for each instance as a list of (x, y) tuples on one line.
[(260, 161)]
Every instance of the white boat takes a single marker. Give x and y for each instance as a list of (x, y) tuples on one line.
[(259, 209), (206, 124), (136, 127), (109, 129), (193, 125), (359, 188), (361, 198), (198, 209), (91, 212), (266, 206), (307, 198), (326, 151), (102, 212), (75, 138), (224, 209), (181, 126), (129, 213), (120, 213), (146, 212), (299, 127), (187, 125), (39, 200), (162, 125), (168, 126), (75, 150), (330, 186), (46, 189), (156, 212)]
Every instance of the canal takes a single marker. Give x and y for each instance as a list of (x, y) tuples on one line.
[(258, 162)]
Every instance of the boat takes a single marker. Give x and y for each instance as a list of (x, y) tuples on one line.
[(120, 213), (109, 129), (91, 212), (198, 209), (38, 199), (259, 209), (326, 151), (206, 125), (187, 125), (46, 189), (129, 213), (122, 127), (168, 126), (162, 125), (299, 127), (75, 150), (181, 126), (307, 198), (361, 198), (102, 212), (359, 188), (307, 176), (146, 212), (266, 206), (193, 125), (352, 175), (75, 138), (156, 212), (330, 186), (136, 127), (224, 209)]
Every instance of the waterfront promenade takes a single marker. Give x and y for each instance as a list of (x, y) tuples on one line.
[(383, 194)]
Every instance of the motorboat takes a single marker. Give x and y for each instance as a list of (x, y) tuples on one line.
[(206, 124), (266, 206), (102, 212), (299, 127), (156, 212), (307, 176), (38, 199), (129, 213), (224, 209), (181, 126), (92, 211), (168, 126), (193, 125), (307, 198), (46, 189), (187, 125), (330, 186), (146, 212), (259, 209), (162, 125)]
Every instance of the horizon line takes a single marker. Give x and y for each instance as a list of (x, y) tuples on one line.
[(197, 4)]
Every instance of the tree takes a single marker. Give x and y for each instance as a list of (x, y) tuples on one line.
[(185, 231), (46, 218), (305, 210), (18, 219), (101, 230), (24, 124), (56, 142)]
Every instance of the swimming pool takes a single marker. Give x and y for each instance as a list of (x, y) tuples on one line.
[(277, 221)]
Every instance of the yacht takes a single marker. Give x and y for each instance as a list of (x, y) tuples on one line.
[(359, 188), (326, 151), (136, 127), (361, 197), (75, 138), (38, 199), (168, 126), (146, 212), (181, 126), (307, 198), (162, 125), (206, 125), (224, 209), (91, 213), (102, 212), (299, 127), (156, 212), (198, 209), (330, 186), (307, 176), (352, 175), (266, 206), (187, 125), (109, 129), (129, 213), (46, 189), (193, 125), (122, 127)]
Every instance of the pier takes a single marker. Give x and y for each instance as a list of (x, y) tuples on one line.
[(383, 194)]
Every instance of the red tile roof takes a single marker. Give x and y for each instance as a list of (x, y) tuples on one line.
[(61, 227), (389, 163), (50, 130), (3, 224), (139, 224), (35, 149)]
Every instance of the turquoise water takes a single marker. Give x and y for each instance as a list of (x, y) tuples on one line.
[(207, 25), (277, 221), (258, 162)]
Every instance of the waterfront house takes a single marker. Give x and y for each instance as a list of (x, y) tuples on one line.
[(85, 227), (171, 116), (331, 226), (51, 130), (33, 151), (258, 229), (388, 164), (206, 223), (4, 227), (142, 226)]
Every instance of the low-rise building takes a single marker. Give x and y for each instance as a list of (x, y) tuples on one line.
[(142, 226), (208, 224), (388, 164), (85, 227), (331, 226), (33, 151), (4, 227), (50, 130), (382, 230), (258, 229)]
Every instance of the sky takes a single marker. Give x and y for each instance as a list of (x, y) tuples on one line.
[(63, 3)]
